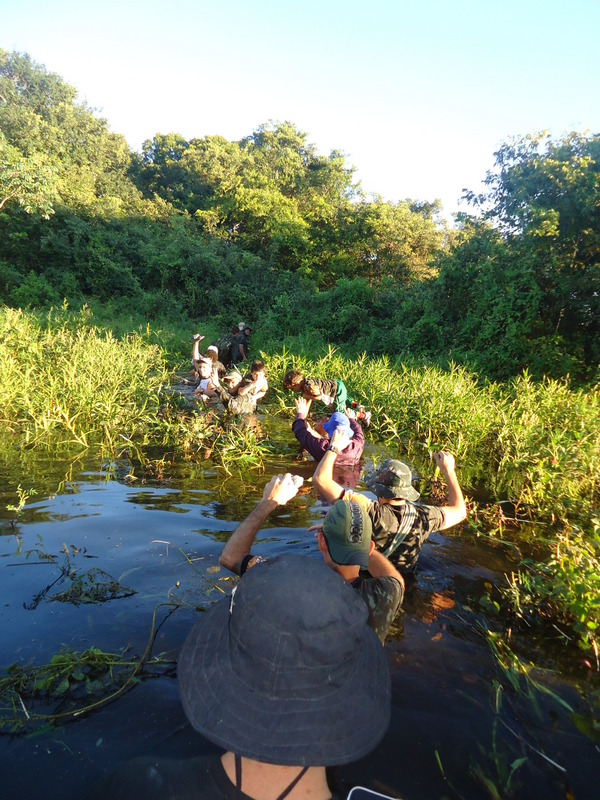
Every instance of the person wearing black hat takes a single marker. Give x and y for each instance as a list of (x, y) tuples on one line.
[(345, 542), (400, 524), (286, 677)]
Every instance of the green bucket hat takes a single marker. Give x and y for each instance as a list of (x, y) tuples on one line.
[(347, 530), (392, 479)]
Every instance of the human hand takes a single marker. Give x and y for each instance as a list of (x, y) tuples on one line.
[(351, 413), (340, 440), (281, 488), (302, 406), (444, 460), (315, 529)]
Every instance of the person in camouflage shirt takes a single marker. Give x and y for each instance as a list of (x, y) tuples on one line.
[(234, 402), (332, 393), (345, 543), (400, 524)]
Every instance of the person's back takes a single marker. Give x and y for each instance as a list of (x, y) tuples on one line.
[(400, 524)]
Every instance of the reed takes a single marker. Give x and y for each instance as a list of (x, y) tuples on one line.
[(534, 445), (527, 451), (63, 378)]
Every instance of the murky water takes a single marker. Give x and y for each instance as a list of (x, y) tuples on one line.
[(90, 526)]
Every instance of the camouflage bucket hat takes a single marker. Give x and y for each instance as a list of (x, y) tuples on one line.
[(392, 479), (347, 530)]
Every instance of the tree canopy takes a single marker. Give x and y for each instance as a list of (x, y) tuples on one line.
[(269, 229)]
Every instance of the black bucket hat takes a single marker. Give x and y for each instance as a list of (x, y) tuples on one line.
[(392, 479), (287, 671)]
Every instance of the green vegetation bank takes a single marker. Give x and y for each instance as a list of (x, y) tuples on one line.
[(267, 230), (483, 338)]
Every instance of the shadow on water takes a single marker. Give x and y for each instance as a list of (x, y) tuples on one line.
[(461, 725)]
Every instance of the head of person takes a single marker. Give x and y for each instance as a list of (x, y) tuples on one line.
[(212, 352), (247, 331), (232, 379), (256, 368), (392, 481), (346, 539), (293, 380), (205, 367), (287, 671), (338, 421), (234, 331)]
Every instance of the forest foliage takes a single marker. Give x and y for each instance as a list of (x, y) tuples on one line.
[(268, 230)]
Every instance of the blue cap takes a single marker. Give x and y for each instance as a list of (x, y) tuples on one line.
[(338, 420)]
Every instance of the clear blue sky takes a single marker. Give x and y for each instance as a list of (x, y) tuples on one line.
[(417, 94)]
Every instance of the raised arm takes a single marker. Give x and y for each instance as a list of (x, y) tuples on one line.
[(456, 510), (323, 477), (277, 492), (381, 567)]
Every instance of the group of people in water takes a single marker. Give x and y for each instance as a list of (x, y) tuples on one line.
[(288, 675), (217, 374)]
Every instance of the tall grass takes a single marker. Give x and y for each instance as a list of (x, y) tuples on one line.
[(534, 444), (64, 377)]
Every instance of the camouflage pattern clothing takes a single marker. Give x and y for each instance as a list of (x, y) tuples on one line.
[(331, 393), (383, 597), (224, 348), (400, 531), (237, 404)]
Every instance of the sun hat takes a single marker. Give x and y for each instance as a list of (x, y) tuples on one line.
[(287, 671), (241, 326), (392, 479), (347, 530), (233, 375), (338, 420), (206, 362)]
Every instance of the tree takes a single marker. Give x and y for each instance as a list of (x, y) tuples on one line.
[(544, 196), (28, 181)]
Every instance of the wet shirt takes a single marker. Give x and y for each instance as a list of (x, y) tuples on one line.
[(317, 446), (400, 531), (383, 597), (244, 404)]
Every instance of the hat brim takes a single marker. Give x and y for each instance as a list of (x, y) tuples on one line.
[(341, 725), (381, 490)]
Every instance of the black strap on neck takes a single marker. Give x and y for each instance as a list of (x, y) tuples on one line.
[(286, 791)]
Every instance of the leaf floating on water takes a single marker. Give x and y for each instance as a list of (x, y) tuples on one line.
[(213, 570)]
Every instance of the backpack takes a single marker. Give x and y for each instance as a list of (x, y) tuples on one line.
[(224, 344)]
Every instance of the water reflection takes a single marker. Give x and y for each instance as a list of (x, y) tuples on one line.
[(158, 542)]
